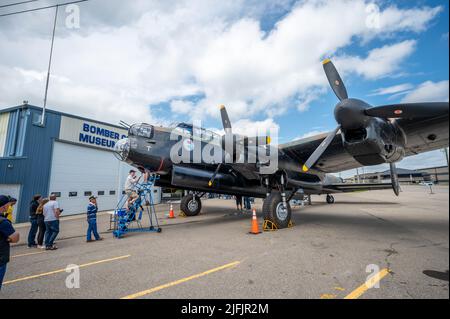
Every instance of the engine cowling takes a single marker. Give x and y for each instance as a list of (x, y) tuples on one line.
[(380, 141)]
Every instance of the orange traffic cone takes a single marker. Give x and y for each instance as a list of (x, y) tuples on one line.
[(171, 214), (255, 227)]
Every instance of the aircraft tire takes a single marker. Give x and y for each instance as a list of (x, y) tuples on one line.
[(189, 206), (330, 199), (273, 211)]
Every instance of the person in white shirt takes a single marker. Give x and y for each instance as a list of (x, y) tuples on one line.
[(131, 181), (51, 213)]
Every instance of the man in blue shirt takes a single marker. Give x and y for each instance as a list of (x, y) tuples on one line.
[(7, 235), (92, 219)]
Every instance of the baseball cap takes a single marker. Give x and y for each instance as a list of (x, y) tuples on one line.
[(4, 200), (132, 170), (92, 197)]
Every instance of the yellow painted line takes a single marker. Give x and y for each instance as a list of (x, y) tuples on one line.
[(180, 281), (28, 254), (63, 270), (327, 296), (355, 294)]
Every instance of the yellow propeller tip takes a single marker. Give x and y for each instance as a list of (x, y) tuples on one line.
[(221, 106), (209, 183), (326, 61), (268, 140), (305, 168)]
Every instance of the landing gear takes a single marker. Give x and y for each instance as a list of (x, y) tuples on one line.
[(191, 205), (330, 199), (276, 211)]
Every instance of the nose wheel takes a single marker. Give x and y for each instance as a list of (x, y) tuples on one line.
[(330, 199)]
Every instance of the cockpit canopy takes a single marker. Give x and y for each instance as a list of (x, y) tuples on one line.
[(203, 134), (142, 130)]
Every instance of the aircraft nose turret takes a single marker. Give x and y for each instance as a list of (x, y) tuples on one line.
[(122, 149)]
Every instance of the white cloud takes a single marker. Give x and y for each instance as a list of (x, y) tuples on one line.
[(429, 92), (396, 89), (393, 19), (181, 107), (256, 128), (127, 56), (380, 62)]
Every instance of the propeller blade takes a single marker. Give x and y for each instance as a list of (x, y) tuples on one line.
[(409, 110), (225, 119), (335, 80), (320, 150), (394, 179)]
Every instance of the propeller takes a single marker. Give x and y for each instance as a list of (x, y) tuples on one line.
[(225, 120), (335, 80), (243, 140), (353, 113), (394, 179)]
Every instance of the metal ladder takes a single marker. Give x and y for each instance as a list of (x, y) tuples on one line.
[(142, 205)]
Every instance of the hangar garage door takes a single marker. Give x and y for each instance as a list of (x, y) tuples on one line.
[(12, 190), (78, 172)]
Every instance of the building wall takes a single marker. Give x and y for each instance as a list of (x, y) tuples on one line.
[(438, 175), (31, 167)]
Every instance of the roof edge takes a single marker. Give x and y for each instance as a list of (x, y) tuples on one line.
[(38, 108)]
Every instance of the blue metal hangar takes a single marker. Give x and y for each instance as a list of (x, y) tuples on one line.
[(69, 155)]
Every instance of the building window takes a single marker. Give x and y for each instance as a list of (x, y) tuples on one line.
[(36, 119), (73, 194), (112, 192), (88, 193), (57, 194), (101, 193)]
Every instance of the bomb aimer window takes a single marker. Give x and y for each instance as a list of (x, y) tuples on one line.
[(143, 130)]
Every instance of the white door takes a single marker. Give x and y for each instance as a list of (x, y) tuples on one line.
[(12, 190), (78, 172)]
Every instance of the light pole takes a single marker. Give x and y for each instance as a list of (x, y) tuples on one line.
[(49, 67)]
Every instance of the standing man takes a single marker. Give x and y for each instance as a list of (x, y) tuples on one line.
[(247, 203), (92, 219), (34, 204), (239, 202), (51, 219), (8, 235), (130, 183)]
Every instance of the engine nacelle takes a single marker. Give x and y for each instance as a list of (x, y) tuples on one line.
[(379, 142)]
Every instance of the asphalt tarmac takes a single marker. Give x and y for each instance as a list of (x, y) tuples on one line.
[(366, 245)]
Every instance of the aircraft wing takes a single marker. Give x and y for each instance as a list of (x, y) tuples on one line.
[(354, 187), (336, 159)]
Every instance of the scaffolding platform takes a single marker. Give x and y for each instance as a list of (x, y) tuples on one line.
[(132, 209)]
